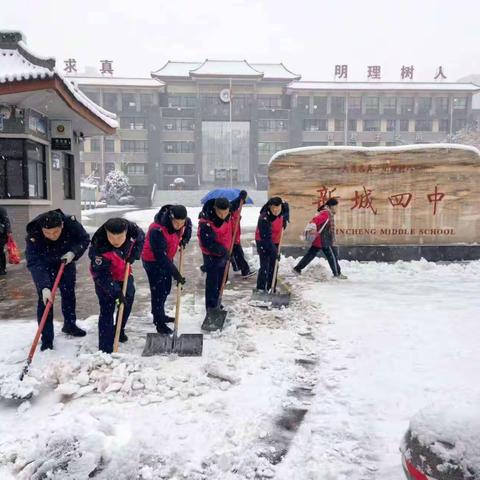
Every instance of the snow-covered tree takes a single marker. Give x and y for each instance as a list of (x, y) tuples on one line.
[(470, 135), (116, 185)]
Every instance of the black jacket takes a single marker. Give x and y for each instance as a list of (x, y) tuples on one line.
[(5, 227), (44, 255)]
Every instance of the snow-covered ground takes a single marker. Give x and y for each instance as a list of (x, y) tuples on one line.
[(353, 359)]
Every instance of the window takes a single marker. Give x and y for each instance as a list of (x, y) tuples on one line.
[(134, 145), (178, 169), (406, 105), (240, 102), (338, 144), (460, 103), (146, 101), (372, 104), (82, 169), (136, 169), (94, 167), (390, 144), (352, 125), (315, 125), (389, 104), (22, 169), (314, 144), (182, 101), (423, 125), (370, 144), (339, 125), (110, 102), (443, 125), (424, 104), (270, 148), (68, 177), (338, 104), (95, 144), (391, 124), (178, 147), (179, 124), (269, 101), (371, 125), (303, 103), (458, 124), (109, 145), (132, 123), (93, 96), (272, 125), (129, 102), (109, 167), (320, 104), (404, 125), (355, 104), (441, 105)]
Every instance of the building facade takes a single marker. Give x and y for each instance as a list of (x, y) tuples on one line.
[(219, 122), (43, 121)]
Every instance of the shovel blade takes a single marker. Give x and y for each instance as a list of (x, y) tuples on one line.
[(214, 320), (188, 345), (158, 344), (279, 300)]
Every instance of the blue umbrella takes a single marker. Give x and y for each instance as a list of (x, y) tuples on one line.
[(228, 193)]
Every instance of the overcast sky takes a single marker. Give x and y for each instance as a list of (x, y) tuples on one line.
[(309, 36)]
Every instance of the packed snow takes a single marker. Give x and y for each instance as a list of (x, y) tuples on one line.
[(323, 389)]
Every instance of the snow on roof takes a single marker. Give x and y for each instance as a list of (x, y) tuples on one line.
[(226, 68), (15, 67), (176, 69), (115, 81), (400, 148), (442, 86), (19, 64), (275, 71)]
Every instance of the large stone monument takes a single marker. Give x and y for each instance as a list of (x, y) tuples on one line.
[(394, 202)]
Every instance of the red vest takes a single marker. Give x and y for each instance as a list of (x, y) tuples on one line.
[(235, 215), (172, 239), (223, 234), (117, 266), (277, 226)]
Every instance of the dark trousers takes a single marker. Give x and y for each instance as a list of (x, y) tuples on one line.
[(3, 258), (267, 266), (67, 291), (238, 260), (106, 325), (331, 254), (160, 286), (214, 268)]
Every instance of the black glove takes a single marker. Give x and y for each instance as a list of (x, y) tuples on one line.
[(183, 242), (120, 298), (130, 260), (243, 195), (179, 278)]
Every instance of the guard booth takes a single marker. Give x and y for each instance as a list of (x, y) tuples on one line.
[(43, 120)]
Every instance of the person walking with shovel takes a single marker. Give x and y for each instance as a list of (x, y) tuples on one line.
[(115, 246), (273, 218), (53, 238), (170, 231)]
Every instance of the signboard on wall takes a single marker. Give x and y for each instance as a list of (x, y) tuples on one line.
[(409, 195), (61, 131)]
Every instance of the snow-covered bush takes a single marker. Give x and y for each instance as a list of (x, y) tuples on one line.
[(116, 185), (127, 200)]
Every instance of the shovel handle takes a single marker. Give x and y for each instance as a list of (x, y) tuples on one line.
[(230, 250), (277, 264), (179, 294), (121, 307), (43, 320)]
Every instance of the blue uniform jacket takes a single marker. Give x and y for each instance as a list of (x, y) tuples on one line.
[(43, 255)]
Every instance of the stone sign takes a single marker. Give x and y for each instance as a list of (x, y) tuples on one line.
[(409, 195)]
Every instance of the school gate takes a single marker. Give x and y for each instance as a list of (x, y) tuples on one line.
[(395, 203)]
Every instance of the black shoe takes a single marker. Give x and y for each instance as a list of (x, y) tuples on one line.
[(46, 346), (74, 331), (249, 274), (168, 319), (163, 328), (123, 337), (3, 272), (297, 270)]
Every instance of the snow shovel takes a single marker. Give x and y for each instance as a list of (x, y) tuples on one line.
[(215, 318), (121, 307), (43, 320), (185, 345)]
